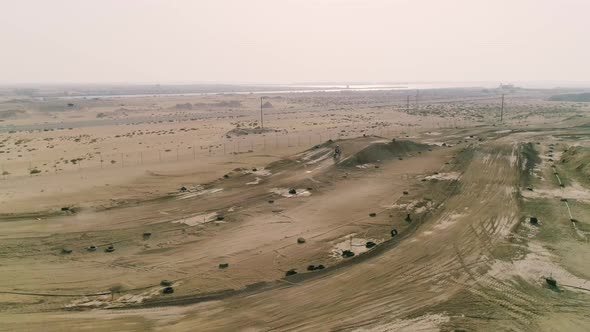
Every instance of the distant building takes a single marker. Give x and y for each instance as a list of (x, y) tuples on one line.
[(507, 86)]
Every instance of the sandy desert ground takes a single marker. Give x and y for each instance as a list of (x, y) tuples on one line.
[(437, 216)]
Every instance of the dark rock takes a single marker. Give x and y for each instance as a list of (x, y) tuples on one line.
[(292, 191), (223, 265), (347, 253), (534, 221), (168, 290), (110, 249), (300, 240), (66, 251), (370, 244), (166, 283), (290, 272), (393, 232), (551, 282)]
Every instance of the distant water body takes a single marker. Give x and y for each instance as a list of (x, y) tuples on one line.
[(302, 88)]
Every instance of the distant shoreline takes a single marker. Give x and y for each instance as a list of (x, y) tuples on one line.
[(302, 90), (73, 92)]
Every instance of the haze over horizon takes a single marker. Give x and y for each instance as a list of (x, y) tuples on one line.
[(264, 41)]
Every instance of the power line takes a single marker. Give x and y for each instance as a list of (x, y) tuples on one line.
[(502, 110), (261, 117)]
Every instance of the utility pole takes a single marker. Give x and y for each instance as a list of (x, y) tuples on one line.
[(261, 118), (502, 110)]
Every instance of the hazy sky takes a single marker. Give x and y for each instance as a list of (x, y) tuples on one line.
[(284, 41)]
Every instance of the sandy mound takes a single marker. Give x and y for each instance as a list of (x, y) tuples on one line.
[(316, 155), (383, 151)]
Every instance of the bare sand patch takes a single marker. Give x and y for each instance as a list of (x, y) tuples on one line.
[(198, 219), (285, 192), (536, 265), (573, 191), (426, 323), (198, 192), (350, 242), (444, 176)]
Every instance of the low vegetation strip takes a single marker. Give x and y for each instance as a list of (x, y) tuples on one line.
[(575, 97)]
